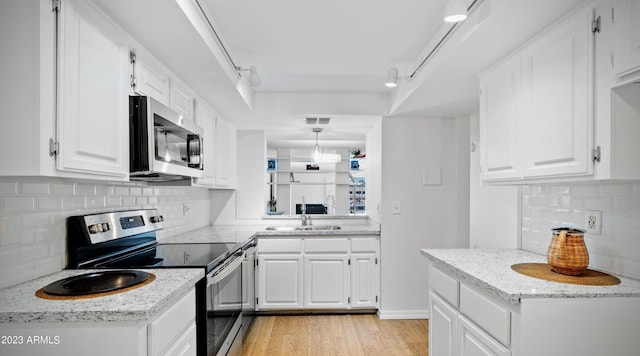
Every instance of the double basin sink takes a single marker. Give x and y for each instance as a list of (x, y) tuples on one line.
[(304, 228)]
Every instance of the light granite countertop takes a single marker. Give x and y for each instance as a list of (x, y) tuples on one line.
[(490, 270), (240, 233), (19, 304)]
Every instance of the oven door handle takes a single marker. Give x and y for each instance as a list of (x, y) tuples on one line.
[(220, 274)]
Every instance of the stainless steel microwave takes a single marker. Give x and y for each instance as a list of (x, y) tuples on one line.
[(163, 145)]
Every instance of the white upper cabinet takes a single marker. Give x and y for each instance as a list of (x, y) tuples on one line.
[(151, 78), (626, 21), (536, 106), (182, 99), (500, 121), (225, 155), (557, 116), (92, 93), (206, 118)]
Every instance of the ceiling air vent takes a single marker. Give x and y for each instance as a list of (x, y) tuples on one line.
[(318, 120)]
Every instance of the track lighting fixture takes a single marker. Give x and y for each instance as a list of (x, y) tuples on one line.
[(456, 11), (254, 78)]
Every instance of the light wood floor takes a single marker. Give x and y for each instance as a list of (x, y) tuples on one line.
[(359, 334)]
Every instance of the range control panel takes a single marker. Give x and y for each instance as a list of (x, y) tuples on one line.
[(113, 225)]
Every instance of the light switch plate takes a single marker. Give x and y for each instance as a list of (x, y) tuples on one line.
[(395, 207)]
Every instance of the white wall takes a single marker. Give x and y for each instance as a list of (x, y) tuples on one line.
[(616, 250), (374, 172), (429, 216), (494, 210), (252, 192), (33, 214)]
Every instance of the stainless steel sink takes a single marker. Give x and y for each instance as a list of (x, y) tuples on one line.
[(319, 227), (304, 228)]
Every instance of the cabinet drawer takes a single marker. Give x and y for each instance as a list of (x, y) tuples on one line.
[(166, 329), (366, 244), (326, 245), (490, 316), (280, 245), (445, 286)]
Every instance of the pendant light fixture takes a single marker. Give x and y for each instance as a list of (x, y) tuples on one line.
[(317, 156), (456, 11)]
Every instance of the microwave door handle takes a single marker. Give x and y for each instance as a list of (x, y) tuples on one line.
[(201, 148)]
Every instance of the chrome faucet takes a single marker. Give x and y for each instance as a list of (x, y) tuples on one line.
[(306, 219)]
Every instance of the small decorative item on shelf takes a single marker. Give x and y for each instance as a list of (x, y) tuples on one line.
[(272, 205), (357, 154), (355, 165), (271, 165), (313, 167)]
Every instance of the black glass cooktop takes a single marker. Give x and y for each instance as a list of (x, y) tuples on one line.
[(205, 255)]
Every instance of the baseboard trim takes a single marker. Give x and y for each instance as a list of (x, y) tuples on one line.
[(403, 314)]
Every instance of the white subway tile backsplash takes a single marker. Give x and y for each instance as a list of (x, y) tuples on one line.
[(19, 204), (121, 191), (33, 213), (627, 204), (72, 203), (616, 250), (616, 189), (8, 188), (49, 203), (61, 188), (82, 189), (33, 188), (584, 189)]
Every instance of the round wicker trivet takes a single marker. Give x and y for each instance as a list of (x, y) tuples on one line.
[(543, 271), (40, 293)]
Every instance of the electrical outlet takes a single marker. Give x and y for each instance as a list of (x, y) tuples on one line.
[(593, 223), (185, 208)]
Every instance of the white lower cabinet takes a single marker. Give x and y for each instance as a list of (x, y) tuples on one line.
[(463, 322), (317, 273), (280, 281), (443, 322), (475, 342), (172, 332), (326, 281), (467, 321)]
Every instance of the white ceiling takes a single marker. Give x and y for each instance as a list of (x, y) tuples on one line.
[(330, 58), (325, 46)]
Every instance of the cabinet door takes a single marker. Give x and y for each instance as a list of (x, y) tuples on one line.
[(326, 281), (364, 281), (182, 99), (280, 281), (206, 118), (152, 79), (500, 121), (626, 27), (443, 322), (475, 342), (557, 125), (225, 155), (93, 110)]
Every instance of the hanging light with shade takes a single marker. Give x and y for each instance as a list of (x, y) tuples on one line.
[(317, 155)]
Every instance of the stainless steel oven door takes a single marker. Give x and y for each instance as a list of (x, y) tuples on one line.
[(224, 307)]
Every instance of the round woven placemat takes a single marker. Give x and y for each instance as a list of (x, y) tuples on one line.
[(40, 293), (543, 271)]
